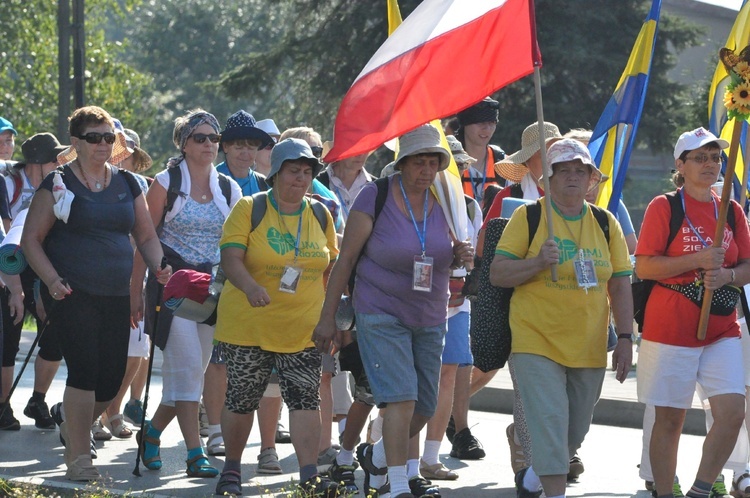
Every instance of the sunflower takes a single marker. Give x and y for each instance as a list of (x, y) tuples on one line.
[(735, 109), (743, 69)]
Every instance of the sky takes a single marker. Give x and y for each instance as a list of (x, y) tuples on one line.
[(732, 4)]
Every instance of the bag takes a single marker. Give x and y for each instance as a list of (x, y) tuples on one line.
[(456, 287), (723, 301)]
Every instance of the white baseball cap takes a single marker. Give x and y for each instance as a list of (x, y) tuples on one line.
[(695, 139)]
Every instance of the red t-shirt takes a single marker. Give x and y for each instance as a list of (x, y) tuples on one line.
[(497, 204), (670, 317)]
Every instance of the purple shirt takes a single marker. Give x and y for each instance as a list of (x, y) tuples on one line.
[(384, 273)]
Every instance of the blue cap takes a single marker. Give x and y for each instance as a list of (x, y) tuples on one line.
[(6, 125)]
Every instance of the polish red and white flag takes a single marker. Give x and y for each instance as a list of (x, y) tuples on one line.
[(444, 57)]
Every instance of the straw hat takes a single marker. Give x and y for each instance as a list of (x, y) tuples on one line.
[(141, 159), (512, 167), (422, 140), (459, 154)]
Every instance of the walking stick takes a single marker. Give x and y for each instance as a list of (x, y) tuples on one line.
[(45, 322), (159, 290)]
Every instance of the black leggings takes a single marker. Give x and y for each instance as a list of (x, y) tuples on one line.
[(94, 332)]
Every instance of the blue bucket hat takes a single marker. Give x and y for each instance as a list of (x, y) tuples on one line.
[(6, 125), (241, 126), (292, 149)]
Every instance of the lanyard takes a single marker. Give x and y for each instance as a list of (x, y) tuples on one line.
[(299, 229), (343, 202), (690, 224), (478, 193), (422, 236)]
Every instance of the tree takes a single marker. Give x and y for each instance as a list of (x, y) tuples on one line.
[(29, 58)]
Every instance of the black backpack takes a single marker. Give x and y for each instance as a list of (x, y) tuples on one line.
[(490, 323), (173, 191), (259, 211), (642, 288)]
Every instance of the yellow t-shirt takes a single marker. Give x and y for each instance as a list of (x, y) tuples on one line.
[(287, 323), (560, 320)]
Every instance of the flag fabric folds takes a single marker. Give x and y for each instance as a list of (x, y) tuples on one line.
[(614, 135), (447, 55), (718, 124)]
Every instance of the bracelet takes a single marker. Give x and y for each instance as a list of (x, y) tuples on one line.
[(625, 336), (732, 279)]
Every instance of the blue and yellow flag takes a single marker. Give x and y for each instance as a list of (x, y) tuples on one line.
[(614, 134), (718, 124)]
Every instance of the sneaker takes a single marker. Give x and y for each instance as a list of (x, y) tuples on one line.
[(344, 475), (56, 413), (719, 490), (327, 457), (450, 431), (133, 412), (676, 489), (39, 411), (282, 435), (319, 485), (575, 468), (421, 487), (741, 489), (203, 421), (522, 492), (466, 446), (7, 421), (650, 486)]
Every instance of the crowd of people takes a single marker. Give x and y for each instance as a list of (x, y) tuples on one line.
[(321, 309)]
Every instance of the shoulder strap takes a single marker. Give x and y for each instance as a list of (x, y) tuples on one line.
[(677, 215), (320, 210), (516, 191), (226, 188), (533, 215), (498, 154), (173, 190), (324, 179), (132, 181), (17, 187), (382, 184), (602, 218), (259, 209), (469, 207)]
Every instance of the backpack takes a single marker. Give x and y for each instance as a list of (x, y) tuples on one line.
[(490, 324), (641, 289), (491, 191), (17, 188), (173, 190), (259, 210)]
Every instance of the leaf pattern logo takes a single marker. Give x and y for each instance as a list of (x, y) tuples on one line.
[(568, 250), (281, 243)]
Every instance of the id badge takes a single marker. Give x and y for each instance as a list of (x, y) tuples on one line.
[(422, 278), (585, 273), (290, 279)]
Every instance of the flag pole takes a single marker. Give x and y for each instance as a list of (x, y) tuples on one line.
[(726, 192), (537, 58)]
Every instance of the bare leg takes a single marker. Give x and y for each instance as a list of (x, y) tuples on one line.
[(554, 485), (44, 374), (139, 381), (480, 379), (355, 422), (728, 411), (214, 391), (326, 412), (236, 430), (268, 416), (304, 427), (461, 395), (437, 424), (131, 369), (665, 439)]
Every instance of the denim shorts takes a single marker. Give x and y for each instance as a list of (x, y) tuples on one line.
[(402, 362), (457, 350)]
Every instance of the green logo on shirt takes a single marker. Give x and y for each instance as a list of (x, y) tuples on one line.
[(281, 243), (568, 249)]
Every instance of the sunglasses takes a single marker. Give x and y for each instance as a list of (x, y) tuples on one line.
[(96, 138), (317, 151), (199, 138)]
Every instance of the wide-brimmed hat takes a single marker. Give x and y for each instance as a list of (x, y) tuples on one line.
[(459, 154), (422, 140), (6, 125), (695, 139), (512, 167), (292, 149), (242, 125), (41, 148), (269, 127), (141, 159), (569, 149)]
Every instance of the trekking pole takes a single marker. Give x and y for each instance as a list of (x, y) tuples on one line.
[(45, 322), (159, 290)]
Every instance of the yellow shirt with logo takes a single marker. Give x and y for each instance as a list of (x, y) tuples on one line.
[(286, 324), (560, 320)]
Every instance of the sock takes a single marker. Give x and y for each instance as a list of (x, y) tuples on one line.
[(744, 483), (342, 426), (196, 452), (399, 482), (307, 472), (234, 465), (431, 450), (214, 429), (37, 396), (700, 489), (412, 468), (153, 431), (376, 429), (378, 455), (531, 480), (345, 457)]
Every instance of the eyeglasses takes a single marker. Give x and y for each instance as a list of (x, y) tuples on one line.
[(317, 151), (96, 138), (704, 158), (199, 138)]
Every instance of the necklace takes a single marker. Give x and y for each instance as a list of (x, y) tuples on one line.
[(203, 192), (97, 184)]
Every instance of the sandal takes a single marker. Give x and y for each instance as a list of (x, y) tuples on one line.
[(81, 469), (199, 466), (99, 432), (117, 427), (422, 488), (215, 445), (437, 471), (144, 440), (268, 462), (364, 457), (230, 484)]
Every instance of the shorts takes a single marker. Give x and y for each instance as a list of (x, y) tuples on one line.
[(140, 344), (249, 371), (667, 374), (328, 363), (457, 350), (402, 362), (351, 361), (217, 355)]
